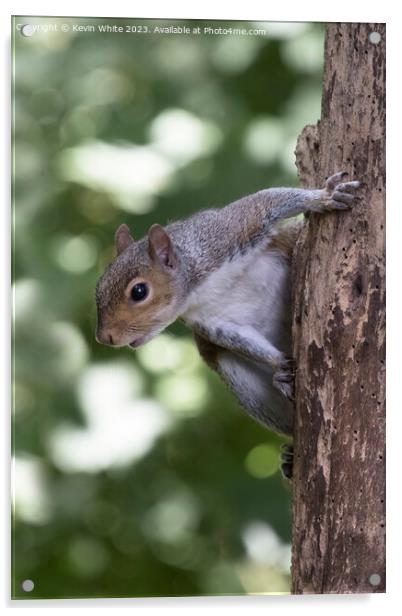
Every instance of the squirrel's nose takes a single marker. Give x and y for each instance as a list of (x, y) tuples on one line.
[(104, 337)]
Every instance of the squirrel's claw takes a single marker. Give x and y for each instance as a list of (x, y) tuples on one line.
[(284, 377), (287, 460), (340, 195), (334, 180)]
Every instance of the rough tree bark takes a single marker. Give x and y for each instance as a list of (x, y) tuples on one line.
[(338, 329)]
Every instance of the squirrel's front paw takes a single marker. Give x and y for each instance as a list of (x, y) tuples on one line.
[(340, 195), (284, 378)]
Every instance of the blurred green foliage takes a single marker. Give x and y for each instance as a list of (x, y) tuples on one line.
[(137, 474)]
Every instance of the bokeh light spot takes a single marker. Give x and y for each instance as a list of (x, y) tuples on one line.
[(304, 53), (263, 139), (166, 352), (172, 519), (76, 254), (131, 175), (30, 500), (183, 394), (231, 57), (70, 350), (120, 426), (264, 546), (182, 136), (262, 461), (88, 557), (27, 294)]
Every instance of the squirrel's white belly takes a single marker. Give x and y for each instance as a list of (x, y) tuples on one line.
[(249, 290)]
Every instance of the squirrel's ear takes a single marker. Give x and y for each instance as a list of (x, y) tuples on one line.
[(122, 238), (160, 246)]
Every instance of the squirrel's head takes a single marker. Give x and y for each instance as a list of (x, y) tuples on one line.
[(141, 292)]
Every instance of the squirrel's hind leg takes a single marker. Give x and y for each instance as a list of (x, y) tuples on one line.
[(252, 385)]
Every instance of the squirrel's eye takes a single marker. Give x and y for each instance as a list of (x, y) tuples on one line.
[(139, 291)]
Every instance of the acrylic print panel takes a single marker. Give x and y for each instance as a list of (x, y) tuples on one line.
[(135, 472)]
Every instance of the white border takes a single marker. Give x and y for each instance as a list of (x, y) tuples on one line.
[(305, 10)]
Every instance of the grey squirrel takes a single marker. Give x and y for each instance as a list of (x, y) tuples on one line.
[(225, 273)]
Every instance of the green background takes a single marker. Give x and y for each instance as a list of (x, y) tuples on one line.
[(136, 473)]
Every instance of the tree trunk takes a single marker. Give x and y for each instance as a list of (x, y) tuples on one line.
[(339, 331)]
